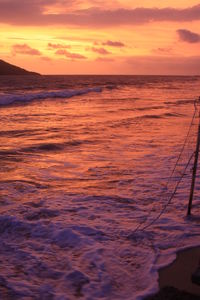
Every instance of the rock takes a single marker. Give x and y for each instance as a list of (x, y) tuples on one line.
[(171, 293), (196, 276)]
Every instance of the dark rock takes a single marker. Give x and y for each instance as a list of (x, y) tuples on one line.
[(196, 276), (171, 293)]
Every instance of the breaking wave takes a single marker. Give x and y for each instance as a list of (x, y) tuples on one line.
[(12, 98)]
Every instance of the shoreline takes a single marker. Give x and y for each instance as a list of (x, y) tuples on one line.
[(175, 279)]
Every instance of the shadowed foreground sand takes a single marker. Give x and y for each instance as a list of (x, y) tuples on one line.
[(175, 280)]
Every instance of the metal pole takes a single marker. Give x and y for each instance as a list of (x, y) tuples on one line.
[(194, 169)]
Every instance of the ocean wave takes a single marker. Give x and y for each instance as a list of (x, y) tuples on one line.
[(12, 98), (180, 102), (52, 147), (19, 154), (164, 115), (44, 147)]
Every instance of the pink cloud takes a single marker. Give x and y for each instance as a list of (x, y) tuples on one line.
[(188, 36), (70, 54), (24, 49), (113, 44), (101, 51)]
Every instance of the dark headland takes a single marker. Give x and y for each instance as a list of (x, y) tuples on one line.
[(8, 69)]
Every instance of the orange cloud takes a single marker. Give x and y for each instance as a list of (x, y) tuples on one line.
[(58, 46), (24, 49), (45, 58), (101, 51), (70, 55), (163, 51), (105, 59), (113, 44)]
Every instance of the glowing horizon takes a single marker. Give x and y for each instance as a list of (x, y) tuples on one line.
[(93, 37)]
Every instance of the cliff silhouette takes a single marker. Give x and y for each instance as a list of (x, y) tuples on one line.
[(8, 69)]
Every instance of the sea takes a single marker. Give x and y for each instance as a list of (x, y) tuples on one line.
[(95, 175)]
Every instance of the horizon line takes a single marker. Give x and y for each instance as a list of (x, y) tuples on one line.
[(90, 74)]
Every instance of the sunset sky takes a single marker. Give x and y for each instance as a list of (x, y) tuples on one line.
[(101, 37)]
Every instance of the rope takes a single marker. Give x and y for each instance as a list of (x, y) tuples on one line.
[(170, 177), (183, 147)]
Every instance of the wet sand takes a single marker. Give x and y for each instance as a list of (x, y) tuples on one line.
[(175, 280)]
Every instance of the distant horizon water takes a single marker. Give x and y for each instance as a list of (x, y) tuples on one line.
[(116, 74)]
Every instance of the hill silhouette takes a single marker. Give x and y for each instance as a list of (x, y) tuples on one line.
[(8, 69)]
